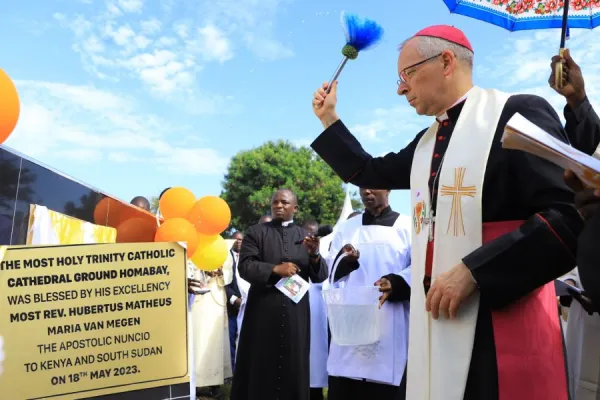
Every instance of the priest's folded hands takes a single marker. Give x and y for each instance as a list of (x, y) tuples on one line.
[(449, 290)]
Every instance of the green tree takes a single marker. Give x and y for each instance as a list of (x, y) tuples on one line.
[(154, 204), (253, 176)]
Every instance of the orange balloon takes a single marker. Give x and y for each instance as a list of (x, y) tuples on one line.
[(136, 230), (211, 254), (178, 230), (176, 203), (129, 211), (210, 215), (10, 107), (108, 212)]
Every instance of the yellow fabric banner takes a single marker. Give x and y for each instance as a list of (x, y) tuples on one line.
[(48, 227)]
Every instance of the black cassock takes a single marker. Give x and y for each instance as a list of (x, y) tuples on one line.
[(582, 127), (517, 187), (274, 347), (588, 259)]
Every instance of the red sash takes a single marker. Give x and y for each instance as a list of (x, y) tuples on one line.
[(527, 336)]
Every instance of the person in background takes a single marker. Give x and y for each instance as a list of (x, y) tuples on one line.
[(587, 201), (582, 122), (211, 345), (141, 202), (311, 226), (244, 287), (319, 346), (273, 357), (378, 250), (234, 297), (582, 340)]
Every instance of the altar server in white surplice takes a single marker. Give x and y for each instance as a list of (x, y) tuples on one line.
[(379, 246)]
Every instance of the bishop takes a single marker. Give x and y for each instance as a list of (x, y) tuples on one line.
[(484, 324)]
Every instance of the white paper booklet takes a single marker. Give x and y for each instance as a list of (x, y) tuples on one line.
[(522, 134), (293, 287), (562, 288)]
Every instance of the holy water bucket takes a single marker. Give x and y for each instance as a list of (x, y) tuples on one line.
[(353, 315)]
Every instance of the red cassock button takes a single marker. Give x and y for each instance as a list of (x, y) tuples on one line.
[(433, 174), (445, 123), (440, 138), (436, 155)]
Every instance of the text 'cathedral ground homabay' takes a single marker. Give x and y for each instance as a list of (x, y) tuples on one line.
[(90, 259)]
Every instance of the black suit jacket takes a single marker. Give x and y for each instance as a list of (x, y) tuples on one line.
[(232, 289), (588, 258)]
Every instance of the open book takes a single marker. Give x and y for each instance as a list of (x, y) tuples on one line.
[(522, 134)]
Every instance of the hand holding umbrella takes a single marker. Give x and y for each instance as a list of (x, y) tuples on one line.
[(528, 15)]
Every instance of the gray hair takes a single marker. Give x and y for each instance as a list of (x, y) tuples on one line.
[(431, 46)]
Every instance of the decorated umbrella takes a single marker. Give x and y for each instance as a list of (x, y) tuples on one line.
[(519, 15)]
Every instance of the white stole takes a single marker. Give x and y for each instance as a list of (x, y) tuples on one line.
[(383, 250), (440, 351)]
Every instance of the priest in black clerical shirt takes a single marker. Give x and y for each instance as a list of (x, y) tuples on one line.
[(582, 122), (274, 346), (482, 216), (376, 245)]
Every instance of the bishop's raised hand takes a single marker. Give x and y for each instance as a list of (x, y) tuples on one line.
[(324, 103)]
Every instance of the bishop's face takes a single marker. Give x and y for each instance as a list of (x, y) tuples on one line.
[(283, 206), (422, 79)]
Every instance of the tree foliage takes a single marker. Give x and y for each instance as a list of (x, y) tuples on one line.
[(154, 204), (254, 175)]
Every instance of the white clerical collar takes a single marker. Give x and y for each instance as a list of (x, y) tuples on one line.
[(286, 223), (444, 116)]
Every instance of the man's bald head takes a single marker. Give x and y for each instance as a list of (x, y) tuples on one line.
[(141, 202), (284, 205), (286, 192)]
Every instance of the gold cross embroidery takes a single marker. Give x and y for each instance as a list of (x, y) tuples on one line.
[(457, 191)]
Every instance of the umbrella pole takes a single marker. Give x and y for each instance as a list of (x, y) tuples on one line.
[(558, 71)]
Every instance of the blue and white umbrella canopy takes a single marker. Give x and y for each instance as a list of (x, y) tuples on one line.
[(519, 15)]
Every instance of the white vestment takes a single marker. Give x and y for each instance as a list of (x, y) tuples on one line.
[(440, 350), (583, 349), (319, 341), (212, 357), (243, 287), (383, 250)]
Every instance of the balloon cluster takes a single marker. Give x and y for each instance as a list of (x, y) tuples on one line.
[(198, 223), (10, 106)]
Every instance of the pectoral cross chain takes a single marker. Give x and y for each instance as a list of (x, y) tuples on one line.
[(430, 221)]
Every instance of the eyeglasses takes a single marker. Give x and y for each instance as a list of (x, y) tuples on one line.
[(410, 70)]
